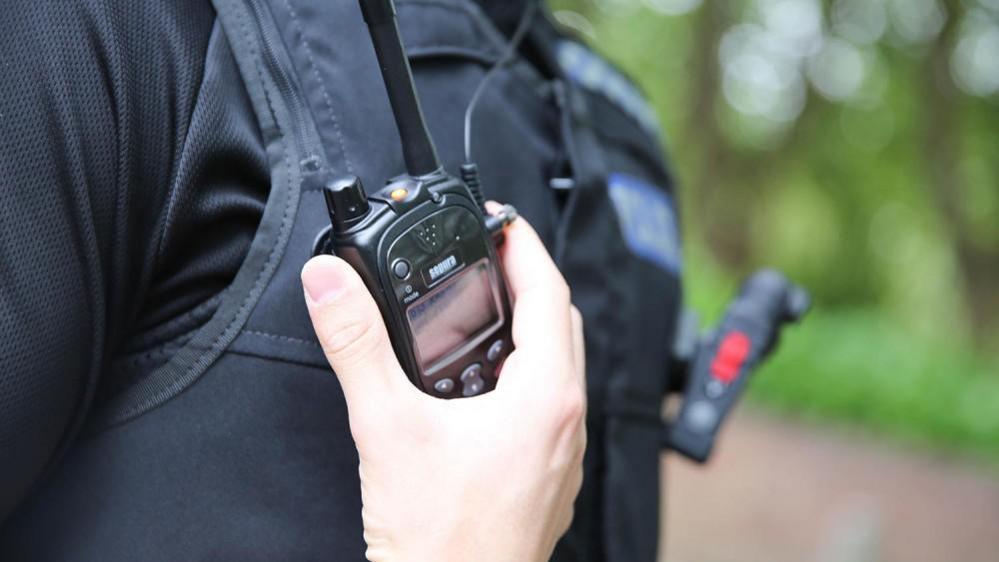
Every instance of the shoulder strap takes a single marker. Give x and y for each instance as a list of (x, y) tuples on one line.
[(246, 31)]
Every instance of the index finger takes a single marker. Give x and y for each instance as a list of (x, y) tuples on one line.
[(542, 324)]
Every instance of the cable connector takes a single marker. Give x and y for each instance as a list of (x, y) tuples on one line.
[(496, 223)]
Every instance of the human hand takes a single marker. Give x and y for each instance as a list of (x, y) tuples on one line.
[(489, 478)]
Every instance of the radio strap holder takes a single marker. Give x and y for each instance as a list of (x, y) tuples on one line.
[(716, 366)]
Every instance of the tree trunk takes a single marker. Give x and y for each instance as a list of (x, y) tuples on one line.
[(979, 267), (723, 222)]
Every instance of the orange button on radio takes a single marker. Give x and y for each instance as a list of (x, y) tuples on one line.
[(399, 194)]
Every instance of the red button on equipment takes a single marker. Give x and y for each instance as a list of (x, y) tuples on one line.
[(731, 356)]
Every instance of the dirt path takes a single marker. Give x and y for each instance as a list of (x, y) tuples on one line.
[(777, 492)]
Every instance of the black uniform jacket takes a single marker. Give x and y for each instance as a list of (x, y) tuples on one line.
[(162, 394)]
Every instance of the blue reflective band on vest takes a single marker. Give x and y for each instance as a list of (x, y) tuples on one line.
[(595, 74), (648, 221)]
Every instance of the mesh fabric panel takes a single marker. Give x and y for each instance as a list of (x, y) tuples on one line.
[(131, 181)]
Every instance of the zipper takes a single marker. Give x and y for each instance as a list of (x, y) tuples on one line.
[(309, 149)]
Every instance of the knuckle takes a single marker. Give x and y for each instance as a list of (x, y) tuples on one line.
[(566, 523), (577, 316), (558, 290), (577, 479), (572, 408), (562, 291)]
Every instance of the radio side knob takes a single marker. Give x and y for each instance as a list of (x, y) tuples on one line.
[(346, 202)]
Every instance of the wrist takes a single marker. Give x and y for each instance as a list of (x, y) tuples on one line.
[(472, 541)]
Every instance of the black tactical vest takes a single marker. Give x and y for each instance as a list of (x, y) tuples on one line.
[(237, 448)]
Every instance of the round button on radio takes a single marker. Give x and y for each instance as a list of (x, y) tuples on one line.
[(473, 371), (494, 352), (471, 380), (401, 268), (473, 387), (444, 386)]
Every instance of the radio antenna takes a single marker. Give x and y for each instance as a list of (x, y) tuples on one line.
[(417, 146)]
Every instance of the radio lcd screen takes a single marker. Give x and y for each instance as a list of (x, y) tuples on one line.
[(453, 314)]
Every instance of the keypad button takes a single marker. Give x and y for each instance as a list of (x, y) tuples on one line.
[(495, 350), (473, 371), (444, 386), (473, 386)]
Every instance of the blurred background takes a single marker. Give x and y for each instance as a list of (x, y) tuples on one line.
[(853, 144)]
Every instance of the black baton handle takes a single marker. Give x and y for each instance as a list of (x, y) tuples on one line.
[(747, 334)]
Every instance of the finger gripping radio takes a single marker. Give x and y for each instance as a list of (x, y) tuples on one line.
[(425, 247)]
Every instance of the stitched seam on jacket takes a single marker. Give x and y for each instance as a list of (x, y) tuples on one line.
[(152, 393), (322, 86), (281, 337)]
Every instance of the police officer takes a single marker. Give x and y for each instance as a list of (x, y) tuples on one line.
[(163, 394)]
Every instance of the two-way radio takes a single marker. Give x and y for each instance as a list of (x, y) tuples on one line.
[(425, 246)]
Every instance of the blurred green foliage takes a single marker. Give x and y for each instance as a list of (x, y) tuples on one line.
[(853, 144)]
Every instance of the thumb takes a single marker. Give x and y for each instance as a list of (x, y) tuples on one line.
[(351, 331)]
